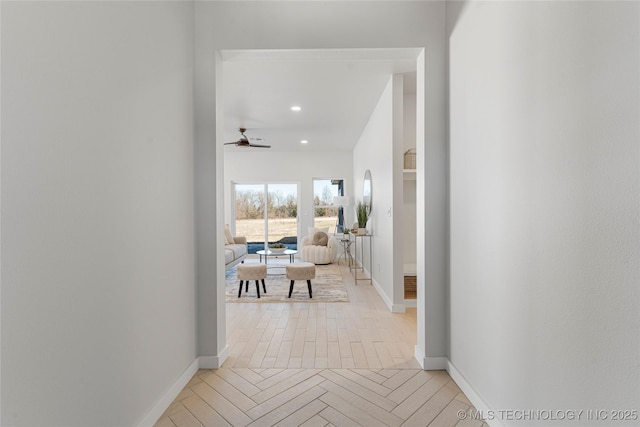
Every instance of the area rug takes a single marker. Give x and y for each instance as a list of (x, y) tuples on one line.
[(327, 286)]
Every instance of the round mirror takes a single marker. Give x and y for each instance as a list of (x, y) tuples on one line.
[(366, 191)]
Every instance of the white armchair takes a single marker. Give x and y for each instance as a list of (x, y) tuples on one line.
[(318, 247)]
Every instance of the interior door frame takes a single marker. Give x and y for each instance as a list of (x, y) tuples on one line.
[(432, 295)]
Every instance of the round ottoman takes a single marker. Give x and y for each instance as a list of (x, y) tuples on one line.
[(301, 271), (255, 272)]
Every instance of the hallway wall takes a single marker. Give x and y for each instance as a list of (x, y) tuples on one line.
[(545, 174), (374, 152), (98, 301)]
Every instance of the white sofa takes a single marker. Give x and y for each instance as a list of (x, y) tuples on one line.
[(318, 254), (236, 252)]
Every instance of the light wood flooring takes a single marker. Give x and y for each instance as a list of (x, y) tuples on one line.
[(320, 364)]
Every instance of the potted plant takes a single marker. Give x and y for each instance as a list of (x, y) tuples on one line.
[(277, 248), (363, 216)]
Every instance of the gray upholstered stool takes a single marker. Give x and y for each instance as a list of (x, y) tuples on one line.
[(301, 271), (255, 272)]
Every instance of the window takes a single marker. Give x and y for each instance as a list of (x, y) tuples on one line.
[(266, 214), (325, 212)]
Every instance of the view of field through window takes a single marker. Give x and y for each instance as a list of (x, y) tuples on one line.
[(325, 213), (280, 202)]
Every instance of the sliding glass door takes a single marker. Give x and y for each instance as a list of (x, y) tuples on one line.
[(250, 214), (282, 214), (266, 214)]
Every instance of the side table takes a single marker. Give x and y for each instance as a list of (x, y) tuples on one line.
[(362, 251), (346, 249)]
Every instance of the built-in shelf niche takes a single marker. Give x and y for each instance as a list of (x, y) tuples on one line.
[(409, 174)]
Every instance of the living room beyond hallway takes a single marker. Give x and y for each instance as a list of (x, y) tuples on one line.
[(361, 333)]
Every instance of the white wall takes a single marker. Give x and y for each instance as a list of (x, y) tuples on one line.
[(291, 167), (545, 173), (97, 222), (375, 152), (409, 213), (322, 25)]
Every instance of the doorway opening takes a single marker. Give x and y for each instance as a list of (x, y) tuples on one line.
[(307, 219)]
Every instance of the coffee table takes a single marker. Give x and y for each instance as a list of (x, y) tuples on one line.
[(266, 254)]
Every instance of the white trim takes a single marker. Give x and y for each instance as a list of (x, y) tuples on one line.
[(477, 401), (324, 54), (158, 409), (410, 303), (443, 363), (435, 363), (384, 296), (214, 362), (398, 308), (419, 356), (394, 308), (430, 363), (201, 362)]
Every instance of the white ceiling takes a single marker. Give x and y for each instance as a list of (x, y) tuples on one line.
[(337, 90)]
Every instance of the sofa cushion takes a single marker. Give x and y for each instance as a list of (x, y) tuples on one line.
[(238, 250), (228, 256), (320, 239), (227, 235)]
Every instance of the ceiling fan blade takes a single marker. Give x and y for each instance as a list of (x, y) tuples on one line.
[(247, 142)]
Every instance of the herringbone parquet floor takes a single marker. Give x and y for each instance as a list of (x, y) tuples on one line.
[(320, 364), (319, 397)]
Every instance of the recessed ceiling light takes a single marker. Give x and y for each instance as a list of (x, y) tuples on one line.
[(304, 141), (296, 108)]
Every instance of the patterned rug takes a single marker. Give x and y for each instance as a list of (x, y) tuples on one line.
[(327, 286)]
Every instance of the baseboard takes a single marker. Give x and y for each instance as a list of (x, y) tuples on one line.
[(443, 363), (398, 308), (435, 363), (430, 363), (384, 297), (478, 402), (394, 308), (411, 303), (419, 356), (156, 412), (214, 362), (202, 362)]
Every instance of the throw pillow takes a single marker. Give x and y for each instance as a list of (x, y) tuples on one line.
[(227, 235), (320, 239), (314, 230)]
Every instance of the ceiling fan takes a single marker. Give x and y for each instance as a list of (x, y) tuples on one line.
[(245, 142)]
